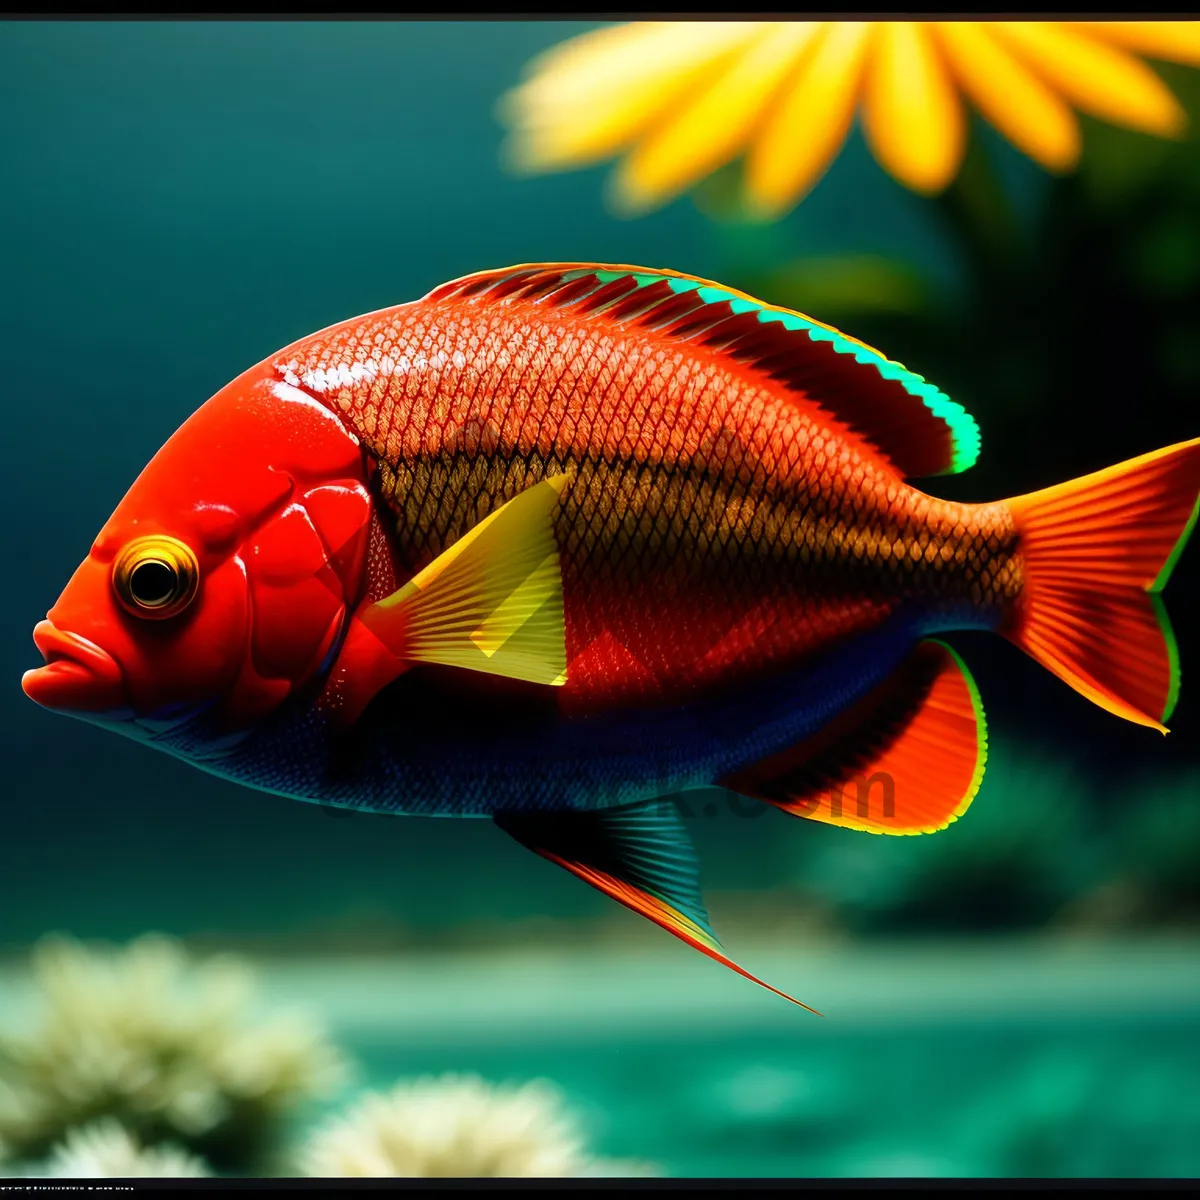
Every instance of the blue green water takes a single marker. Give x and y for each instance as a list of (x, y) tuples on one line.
[(1112, 1098), (1019, 1058), (181, 198), (1026, 1057)]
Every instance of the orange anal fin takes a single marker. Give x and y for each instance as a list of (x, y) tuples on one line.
[(639, 855), (908, 758)]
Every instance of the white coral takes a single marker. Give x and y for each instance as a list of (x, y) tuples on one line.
[(163, 1044), (457, 1127), (105, 1150)]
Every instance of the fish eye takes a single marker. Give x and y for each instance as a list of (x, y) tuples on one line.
[(156, 577)]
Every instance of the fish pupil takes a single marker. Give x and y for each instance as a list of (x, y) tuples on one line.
[(152, 583)]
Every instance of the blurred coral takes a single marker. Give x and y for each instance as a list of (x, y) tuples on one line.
[(105, 1150), (144, 1035), (457, 1127), (684, 98)]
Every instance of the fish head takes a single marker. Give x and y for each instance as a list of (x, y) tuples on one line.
[(222, 581)]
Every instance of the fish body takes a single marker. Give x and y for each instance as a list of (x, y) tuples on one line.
[(715, 539), (558, 540), (712, 528)]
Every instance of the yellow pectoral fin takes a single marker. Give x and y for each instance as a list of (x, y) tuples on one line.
[(493, 602)]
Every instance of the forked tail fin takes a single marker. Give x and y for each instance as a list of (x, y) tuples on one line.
[(1096, 552)]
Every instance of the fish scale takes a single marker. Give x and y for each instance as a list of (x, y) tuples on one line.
[(694, 481)]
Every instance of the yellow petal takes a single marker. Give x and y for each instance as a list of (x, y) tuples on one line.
[(911, 113), (709, 130), (583, 70), (1172, 41), (1016, 102), (807, 128), (1094, 77), (591, 96)]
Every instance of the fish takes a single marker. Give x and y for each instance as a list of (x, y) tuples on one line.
[(561, 543)]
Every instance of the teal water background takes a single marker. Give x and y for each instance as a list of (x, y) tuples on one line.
[(179, 199), (954, 1060)]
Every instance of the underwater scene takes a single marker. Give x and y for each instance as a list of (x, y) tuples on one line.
[(415, 764)]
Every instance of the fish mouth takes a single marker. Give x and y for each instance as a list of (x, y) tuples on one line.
[(78, 675)]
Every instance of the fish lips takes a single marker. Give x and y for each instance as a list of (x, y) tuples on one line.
[(78, 675)]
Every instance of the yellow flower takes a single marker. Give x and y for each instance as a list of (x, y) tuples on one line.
[(681, 99)]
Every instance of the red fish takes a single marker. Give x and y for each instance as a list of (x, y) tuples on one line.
[(560, 540)]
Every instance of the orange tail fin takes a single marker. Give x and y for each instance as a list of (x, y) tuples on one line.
[(1096, 552)]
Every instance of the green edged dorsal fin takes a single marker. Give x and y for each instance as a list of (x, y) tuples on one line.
[(492, 602), (640, 855), (916, 427)]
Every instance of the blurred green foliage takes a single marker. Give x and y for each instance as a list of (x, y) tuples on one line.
[(851, 286), (1044, 844), (1159, 844), (1023, 848)]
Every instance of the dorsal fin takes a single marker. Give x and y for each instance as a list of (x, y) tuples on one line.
[(917, 428)]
